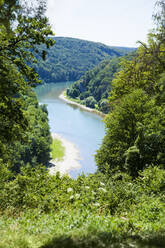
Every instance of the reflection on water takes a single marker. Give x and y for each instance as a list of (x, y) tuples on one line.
[(83, 128)]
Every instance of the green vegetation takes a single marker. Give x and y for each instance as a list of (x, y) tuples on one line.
[(93, 88), (57, 150), (70, 58), (123, 203), (34, 147), (78, 101), (20, 31), (40, 210), (135, 125)]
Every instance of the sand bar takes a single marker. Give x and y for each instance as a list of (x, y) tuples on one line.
[(63, 97), (71, 157)]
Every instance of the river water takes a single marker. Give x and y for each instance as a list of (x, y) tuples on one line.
[(84, 129)]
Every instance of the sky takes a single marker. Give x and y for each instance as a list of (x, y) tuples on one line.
[(112, 22)]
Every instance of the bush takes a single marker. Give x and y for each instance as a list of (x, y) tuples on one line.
[(90, 102)]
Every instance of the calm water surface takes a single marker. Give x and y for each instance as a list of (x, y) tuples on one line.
[(84, 129)]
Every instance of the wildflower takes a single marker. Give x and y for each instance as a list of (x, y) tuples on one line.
[(71, 197), (69, 190), (103, 190), (96, 204), (77, 196)]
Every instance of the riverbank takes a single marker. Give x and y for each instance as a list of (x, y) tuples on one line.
[(63, 97), (70, 160)]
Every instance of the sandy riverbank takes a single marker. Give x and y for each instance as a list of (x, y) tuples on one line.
[(63, 97), (71, 157)]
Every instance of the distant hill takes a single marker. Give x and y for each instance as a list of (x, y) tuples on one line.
[(70, 58)]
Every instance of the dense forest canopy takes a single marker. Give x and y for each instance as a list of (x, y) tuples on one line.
[(70, 58), (92, 90)]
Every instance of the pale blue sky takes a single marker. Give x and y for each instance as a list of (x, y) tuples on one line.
[(112, 22)]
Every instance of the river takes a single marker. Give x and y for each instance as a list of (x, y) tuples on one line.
[(84, 129)]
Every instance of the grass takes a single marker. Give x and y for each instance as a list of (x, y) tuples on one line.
[(42, 211), (57, 150), (73, 229)]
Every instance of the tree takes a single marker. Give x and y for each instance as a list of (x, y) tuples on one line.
[(93, 88), (135, 134), (122, 125), (22, 30), (34, 149), (90, 102)]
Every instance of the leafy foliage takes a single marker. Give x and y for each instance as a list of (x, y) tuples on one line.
[(93, 88), (20, 30), (70, 58), (94, 210), (135, 125), (34, 147)]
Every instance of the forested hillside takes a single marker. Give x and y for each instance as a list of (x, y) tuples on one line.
[(92, 90), (70, 58)]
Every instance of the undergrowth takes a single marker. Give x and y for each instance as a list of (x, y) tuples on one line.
[(39, 210)]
